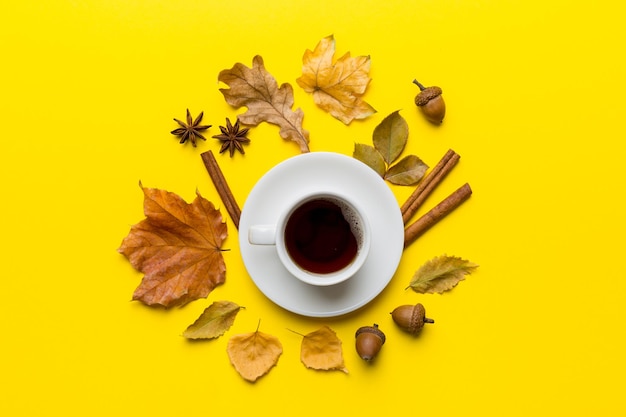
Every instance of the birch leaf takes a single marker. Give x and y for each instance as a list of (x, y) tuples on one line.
[(177, 247), (258, 90), (214, 321), (390, 137), (408, 171), (337, 87), (441, 274), (371, 157), (321, 350), (254, 354)]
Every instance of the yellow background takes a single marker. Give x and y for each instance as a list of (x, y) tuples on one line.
[(535, 94)]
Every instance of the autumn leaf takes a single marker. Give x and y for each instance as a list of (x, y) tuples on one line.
[(408, 171), (371, 157), (214, 321), (321, 350), (258, 90), (337, 87), (390, 137), (441, 274), (253, 354), (177, 247)]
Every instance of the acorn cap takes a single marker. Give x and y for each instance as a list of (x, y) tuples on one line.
[(417, 318), (427, 94), (371, 329)]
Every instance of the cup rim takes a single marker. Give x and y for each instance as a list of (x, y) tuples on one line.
[(331, 278)]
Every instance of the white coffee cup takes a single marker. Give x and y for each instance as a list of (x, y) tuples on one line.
[(312, 241)]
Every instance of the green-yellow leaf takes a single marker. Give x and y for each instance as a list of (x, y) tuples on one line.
[(441, 274), (408, 171), (390, 136), (371, 157), (214, 321)]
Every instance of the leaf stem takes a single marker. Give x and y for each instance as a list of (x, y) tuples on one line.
[(293, 331)]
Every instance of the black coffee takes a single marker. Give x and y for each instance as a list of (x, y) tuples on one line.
[(319, 238)]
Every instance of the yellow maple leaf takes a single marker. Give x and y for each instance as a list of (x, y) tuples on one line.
[(337, 87), (254, 354)]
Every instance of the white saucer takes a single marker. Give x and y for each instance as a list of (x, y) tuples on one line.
[(328, 171)]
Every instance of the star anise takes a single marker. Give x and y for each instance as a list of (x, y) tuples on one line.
[(232, 138), (190, 130)]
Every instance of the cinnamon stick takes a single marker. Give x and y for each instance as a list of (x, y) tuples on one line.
[(437, 213), (428, 184), (222, 186)]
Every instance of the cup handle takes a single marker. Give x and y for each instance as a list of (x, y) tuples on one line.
[(264, 234)]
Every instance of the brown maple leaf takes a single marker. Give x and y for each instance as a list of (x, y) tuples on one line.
[(337, 87), (177, 247), (258, 90)]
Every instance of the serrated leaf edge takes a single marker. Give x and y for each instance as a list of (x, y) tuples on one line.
[(467, 268)]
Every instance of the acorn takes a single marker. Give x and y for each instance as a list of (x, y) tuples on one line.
[(369, 340), (430, 101), (411, 318)]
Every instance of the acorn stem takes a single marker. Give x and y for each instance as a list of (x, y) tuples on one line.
[(427, 320), (422, 88)]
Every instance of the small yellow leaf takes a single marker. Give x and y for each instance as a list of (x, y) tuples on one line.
[(321, 350), (253, 354), (441, 274), (214, 321)]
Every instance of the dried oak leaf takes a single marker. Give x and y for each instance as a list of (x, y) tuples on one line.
[(177, 247), (254, 354), (441, 274), (258, 90), (214, 321), (337, 87), (321, 350)]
